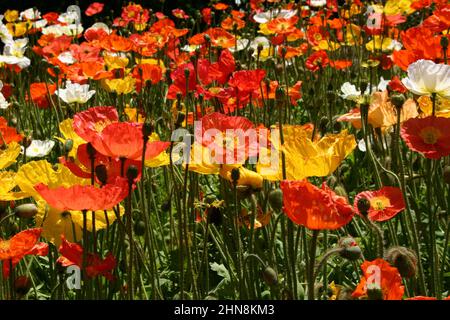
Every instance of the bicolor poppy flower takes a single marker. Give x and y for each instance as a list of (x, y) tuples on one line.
[(72, 254), (94, 8), (85, 197), (385, 203), (313, 207), (318, 60), (22, 244), (429, 136), (91, 122), (380, 279), (282, 25)]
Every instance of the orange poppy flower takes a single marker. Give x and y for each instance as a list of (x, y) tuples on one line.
[(147, 72), (318, 60), (429, 136), (22, 244), (385, 203), (232, 22), (221, 38), (40, 93), (72, 254), (8, 134), (220, 6), (313, 207), (85, 197), (380, 275), (114, 42), (282, 25)]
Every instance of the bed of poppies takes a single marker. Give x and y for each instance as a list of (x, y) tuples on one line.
[(262, 149)]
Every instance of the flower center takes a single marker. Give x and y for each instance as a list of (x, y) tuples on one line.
[(430, 135), (4, 245), (380, 203)]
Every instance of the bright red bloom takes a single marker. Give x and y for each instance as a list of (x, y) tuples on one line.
[(41, 93), (85, 197), (22, 244), (318, 60), (247, 81), (422, 298), (313, 207), (429, 136), (180, 14), (72, 254), (91, 122), (94, 8), (126, 140), (380, 275), (228, 137), (396, 85), (146, 72), (385, 203), (206, 15), (8, 134)]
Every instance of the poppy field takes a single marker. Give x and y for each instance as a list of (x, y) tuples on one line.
[(259, 150)]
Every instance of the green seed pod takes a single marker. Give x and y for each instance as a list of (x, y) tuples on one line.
[(270, 276), (349, 249), (139, 228), (404, 259), (276, 199), (68, 145), (398, 100), (27, 210)]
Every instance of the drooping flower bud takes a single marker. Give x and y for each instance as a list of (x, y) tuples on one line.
[(27, 210), (404, 259), (132, 173), (276, 199), (349, 249), (447, 174), (363, 206), (270, 276)]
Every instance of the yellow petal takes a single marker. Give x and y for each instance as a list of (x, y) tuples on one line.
[(9, 155)]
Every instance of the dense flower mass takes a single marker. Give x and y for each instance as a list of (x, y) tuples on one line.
[(257, 149)]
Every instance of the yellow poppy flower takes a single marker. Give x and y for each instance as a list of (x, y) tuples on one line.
[(11, 15), (66, 129), (55, 222), (442, 106), (162, 159), (120, 86), (379, 43), (201, 161), (353, 35), (306, 158), (19, 29), (9, 155), (327, 45), (139, 26), (393, 7), (264, 30), (35, 172), (102, 218), (132, 114), (115, 62), (246, 177), (7, 184)]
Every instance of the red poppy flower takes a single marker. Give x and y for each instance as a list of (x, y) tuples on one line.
[(126, 140), (380, 275), (91, 122), (282, 25), (227, 137), (396, 85), (385, 203), (94, 8), (318, 60), (429, 136), (206, 15), (315, 208), (422, 298), (8, 134), (85, 197), (72, 254), (22, 244), (247, 81)]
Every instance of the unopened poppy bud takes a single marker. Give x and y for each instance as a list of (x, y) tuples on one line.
[(404, 259), (101, 173), (270, 276), (364, 85), (26, 142), (187, 72), (139, 228), (447, 174), (27, 210), (363, 206), (132, 173), (276, 199), (68, 145), (398, 100), (349, 249), (260, 47), (22, 285), (90, 150), (235, 175), (444, 43)]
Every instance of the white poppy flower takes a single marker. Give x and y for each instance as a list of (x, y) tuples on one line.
[(383, 84), (349, 91), (16, 47), (241, 45), (30, 14), (39, 148), (5, 35), (22, 62), (362, 145), (318, 3), (75, 93), (265, 17), (66, 57), (426, 77), (39, 24)]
